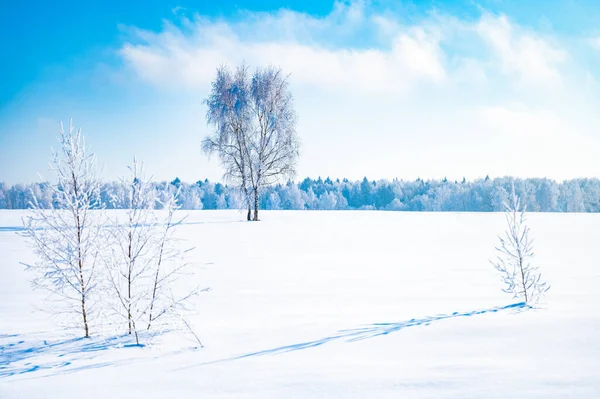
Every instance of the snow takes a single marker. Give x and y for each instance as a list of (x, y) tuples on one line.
[(345, 304)]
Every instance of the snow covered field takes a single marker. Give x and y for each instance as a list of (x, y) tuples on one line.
[(332, 305)]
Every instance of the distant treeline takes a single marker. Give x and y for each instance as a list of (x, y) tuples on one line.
[(483, 195)]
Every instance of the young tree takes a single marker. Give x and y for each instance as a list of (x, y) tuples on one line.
[(168, 266), (273, 141), (131, 258), (522, 279), (146, 262), (228, 113), (67, 237)]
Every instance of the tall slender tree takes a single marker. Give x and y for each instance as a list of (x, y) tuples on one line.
[(145, 261), (274, 141), (131, 258), (67, 237)]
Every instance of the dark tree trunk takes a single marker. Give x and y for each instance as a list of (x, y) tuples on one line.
[(80, 264), (82, 285), (248, 201), (84, 313), (255, 205), (129, 256)]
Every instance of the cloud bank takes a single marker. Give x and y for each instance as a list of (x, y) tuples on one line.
[(434, 96), (379, 93)]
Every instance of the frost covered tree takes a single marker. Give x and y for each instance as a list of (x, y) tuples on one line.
[(3, 198), (341, 203), (131, 258), (229, 114), (68, 237), (499, 199), (168, 266), (192, 199), (221, 201), (327, 201), (274, 142), (579, 195), (395, 205), (274, 201), (291, 197), (547, 195), (310, 199), (145, 261), (571, 197), (521, 278), (254, 125)]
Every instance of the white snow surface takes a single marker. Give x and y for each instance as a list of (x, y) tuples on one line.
[(316, 304)]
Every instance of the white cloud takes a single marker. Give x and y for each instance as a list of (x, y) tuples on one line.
[(528, 56), (171, 58), (299, 43), (376, 95), (320, 51), (437, 97), (177, 9)]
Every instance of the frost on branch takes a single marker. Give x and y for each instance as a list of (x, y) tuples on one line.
[(522, 279), (67, 238), (254, 122), (130, 258), (145, 261)]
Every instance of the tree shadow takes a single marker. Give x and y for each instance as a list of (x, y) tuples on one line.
[(22, 229), (377, 329), (10, 229), (20, 355), (369, 331)]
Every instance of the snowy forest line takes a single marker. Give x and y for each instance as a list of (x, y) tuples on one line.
[(483, 195)]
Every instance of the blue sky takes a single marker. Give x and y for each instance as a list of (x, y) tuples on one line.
[(383, 89)]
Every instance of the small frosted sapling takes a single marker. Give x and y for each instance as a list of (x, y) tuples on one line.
[(521, 278)]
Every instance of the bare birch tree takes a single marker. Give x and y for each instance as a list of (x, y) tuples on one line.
[(131, 255), (168, 266), (146, 260), (228, 113), (67, 237), (274, 141), (521, 278), (255, 129)]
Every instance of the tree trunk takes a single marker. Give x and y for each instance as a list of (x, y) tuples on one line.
[(129, 256), (84, 313), (255, 205), (80, 265), (129, 301), (137, 339), (83, 288), (248, 201)]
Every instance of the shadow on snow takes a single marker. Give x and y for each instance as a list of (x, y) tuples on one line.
[(18, 356), (22, 229), (369, 331), (21, 356)]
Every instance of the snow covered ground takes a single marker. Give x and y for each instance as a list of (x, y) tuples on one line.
[(332, 305)]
